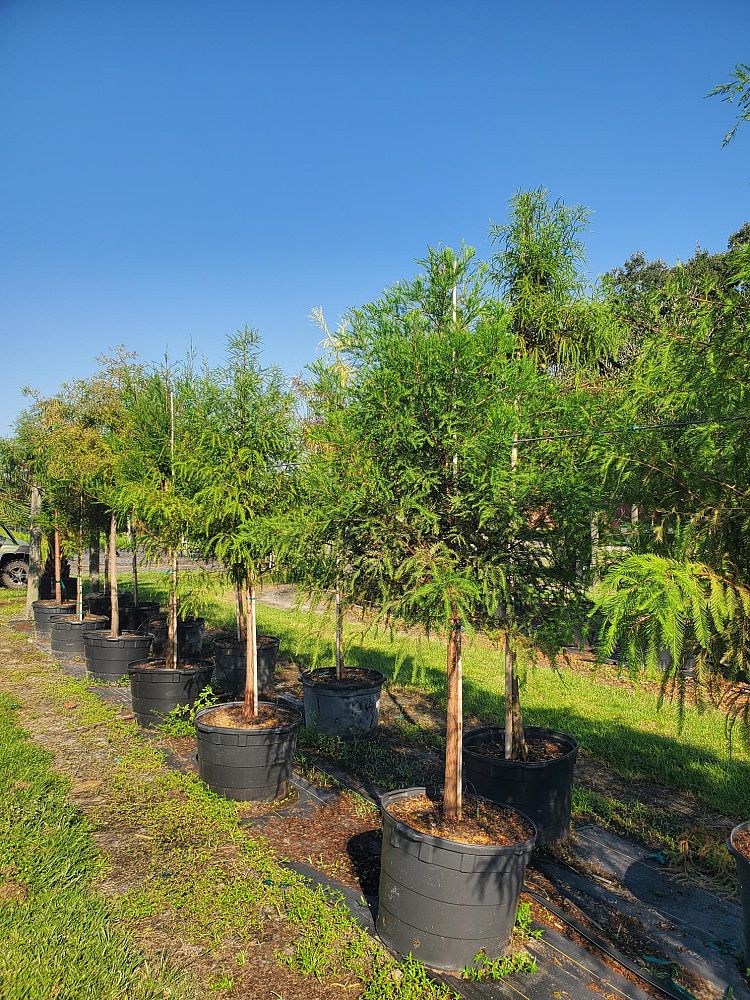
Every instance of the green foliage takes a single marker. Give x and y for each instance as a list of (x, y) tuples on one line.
[(496, 969), (408, 459), (689, 371), (557, 317), (242, 459), (152, 453), (735, 91), (181, 720)]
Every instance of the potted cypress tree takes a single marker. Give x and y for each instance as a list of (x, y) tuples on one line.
[(563, 329), (153, 486), (36, 452), (441, 531), (243, 460), (338, 700)]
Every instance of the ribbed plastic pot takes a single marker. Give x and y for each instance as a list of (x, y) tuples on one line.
[(542, 791), (97, 604), (45, 610), (743, 877), (340, 708), (157, 690), (229, 665), (108, 657), (66, 632), (189, 637), (101, 604), (246, 764), (132, 616), (444, 902)]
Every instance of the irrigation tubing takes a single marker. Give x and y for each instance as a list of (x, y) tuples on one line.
[(666, 989)]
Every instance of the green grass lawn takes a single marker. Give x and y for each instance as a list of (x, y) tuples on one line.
[(620, 723), (58, 937)]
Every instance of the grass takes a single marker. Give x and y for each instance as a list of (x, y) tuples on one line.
[(193, 875), (57, 931)]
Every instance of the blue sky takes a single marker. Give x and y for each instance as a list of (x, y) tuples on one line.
[(174, 169)]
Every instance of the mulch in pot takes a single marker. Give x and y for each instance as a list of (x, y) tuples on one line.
[(268, 717), (741, 843), (484, 823), (353, 677), (540, 749)]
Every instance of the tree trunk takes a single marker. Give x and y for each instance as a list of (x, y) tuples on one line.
[(112, 562), (453, 791), (594, 531), (58, 572), (172, 651), (79, 587), (339, 633), (35, 551), (241, 614), (134, 547), (94, 562), (250, 708), (515, 743)]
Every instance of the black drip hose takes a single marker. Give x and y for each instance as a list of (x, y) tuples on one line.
[(666, 989)]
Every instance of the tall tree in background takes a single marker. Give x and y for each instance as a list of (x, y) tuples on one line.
[(684, 587)]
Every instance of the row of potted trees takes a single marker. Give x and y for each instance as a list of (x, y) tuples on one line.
[(439, 477)]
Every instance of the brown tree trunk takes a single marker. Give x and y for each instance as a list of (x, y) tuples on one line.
[(515, 743), (58, 571), (172, 651), (35, 551), (250, 708), (112, 562), (134, 544), (79, 586), (453, 791), (594, 532), (94, 562), (241, 614), (339, 633)]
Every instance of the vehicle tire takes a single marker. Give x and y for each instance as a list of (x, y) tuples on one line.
[(15, 574)]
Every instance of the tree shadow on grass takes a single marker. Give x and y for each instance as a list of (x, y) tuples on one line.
[(722, 782)]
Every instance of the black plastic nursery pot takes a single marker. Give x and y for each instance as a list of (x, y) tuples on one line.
[(348, 707), (229, 664), (247, 764), (108, 656), (157, 689), (442, 901), (101, 604), (189, 637), (541, 790), (66, 632), (44, 611), (132, 616), (743, 877)]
